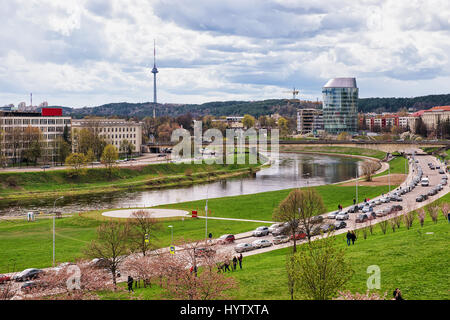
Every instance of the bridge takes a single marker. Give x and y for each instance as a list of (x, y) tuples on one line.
[(385, 146)]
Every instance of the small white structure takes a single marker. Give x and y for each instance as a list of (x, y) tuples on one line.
[(30, 216)]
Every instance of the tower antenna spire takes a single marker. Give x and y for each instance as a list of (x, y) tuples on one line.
[(154, 71)]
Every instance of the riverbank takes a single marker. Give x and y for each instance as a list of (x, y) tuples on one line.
[(29, 185), (343, 151), (25, 245)]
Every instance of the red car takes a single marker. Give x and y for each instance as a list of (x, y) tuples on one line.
[(226, 238), (4, 278), (299, 236)]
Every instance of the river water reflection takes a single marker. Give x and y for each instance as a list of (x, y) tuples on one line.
[(294, 170)]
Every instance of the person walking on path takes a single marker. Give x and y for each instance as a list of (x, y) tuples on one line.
[(130, 283), (349, 237), (234, 263), (227, 266), (354, 201), (397, 294), (353, 237), (240, 260)]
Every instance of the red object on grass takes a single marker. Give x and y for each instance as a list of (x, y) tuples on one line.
[(194, 214)]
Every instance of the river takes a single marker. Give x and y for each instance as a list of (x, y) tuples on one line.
[(293, 170)]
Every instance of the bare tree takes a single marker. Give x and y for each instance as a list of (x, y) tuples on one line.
[(383, 226), (79, 281), (320, 269), (300, 208), (421, 215), (142, 231), (433, 211), (111, 245), (369, 167)]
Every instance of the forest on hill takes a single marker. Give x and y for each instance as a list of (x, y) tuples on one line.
[(285, 107)]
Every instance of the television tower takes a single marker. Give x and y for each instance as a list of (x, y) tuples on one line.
[(154, 71)]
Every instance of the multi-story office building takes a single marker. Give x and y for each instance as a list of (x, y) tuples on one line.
[(340, 105), (309, 121), (15, 124), (113, 131), (435, 116)]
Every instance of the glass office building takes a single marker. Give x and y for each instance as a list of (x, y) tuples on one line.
[(340, 106)]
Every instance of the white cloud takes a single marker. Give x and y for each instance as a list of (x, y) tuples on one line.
[(91, 52)]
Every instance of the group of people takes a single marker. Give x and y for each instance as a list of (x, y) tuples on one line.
[(224, 267), (351, 237)]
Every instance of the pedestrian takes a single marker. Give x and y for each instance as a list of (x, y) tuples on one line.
[(397, 294), (240, 260), (227, 266), (234, 263), (349, 237), (353, 237), (130, 283), (354, 201), (210, 237)]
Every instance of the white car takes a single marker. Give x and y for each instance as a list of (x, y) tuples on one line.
[(332, 215), (342, 216), (242, 247), (385, 200), (377, 202), (280, 239), (261, 231), (261, 243), (275, 226)]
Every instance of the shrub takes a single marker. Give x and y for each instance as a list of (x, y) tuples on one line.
[(12, 182)]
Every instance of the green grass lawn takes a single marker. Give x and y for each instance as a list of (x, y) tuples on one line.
[(334, 149), (12, 183), (260, 206), (26, 245), (397, 165), (30, 244), (415, 260)]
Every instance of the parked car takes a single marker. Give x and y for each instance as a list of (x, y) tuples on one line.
[(327, 227), (340, 225), (353, 209), (261, 243), (280, 239), (261, 231), (362, 218), (385, 200), (367, 208), (99, 263), (226, 238), (28, 285), (4, 278), (316, 219), (378, 201), (397, 207), (282, 230), (342, 216), (419, 198), (387, 211), (204, 252), (298, 235), (243, 247), (379, 213), (332, 215), (28, 274), (275, 226), (372, 215)]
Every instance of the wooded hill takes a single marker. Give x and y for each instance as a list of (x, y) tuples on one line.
[(284, 107)]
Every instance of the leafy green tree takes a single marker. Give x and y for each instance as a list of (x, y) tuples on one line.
[(248, 121), (320, 269), (127, 147), (76, 161), (283, 127), (109, 157)]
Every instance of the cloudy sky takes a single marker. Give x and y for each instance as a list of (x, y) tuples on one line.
[(90, 52)]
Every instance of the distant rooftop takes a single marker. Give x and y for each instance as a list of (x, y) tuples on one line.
[(341, 83), (438, 108)]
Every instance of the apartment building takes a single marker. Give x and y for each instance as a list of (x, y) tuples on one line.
[(14, 125), (113, 131), (435, 115), (309, 121)]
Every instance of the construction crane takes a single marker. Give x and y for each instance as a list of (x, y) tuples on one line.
[(294, 93)]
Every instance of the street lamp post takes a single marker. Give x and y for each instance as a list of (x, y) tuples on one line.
[(356, 182), (54, 214), (171, 228)]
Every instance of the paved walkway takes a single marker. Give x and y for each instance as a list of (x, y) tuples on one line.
[(155, 213)]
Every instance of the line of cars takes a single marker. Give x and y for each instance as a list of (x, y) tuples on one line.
[(425, 182)]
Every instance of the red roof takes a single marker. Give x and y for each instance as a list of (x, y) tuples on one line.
[(418, 113), (439, 108)]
